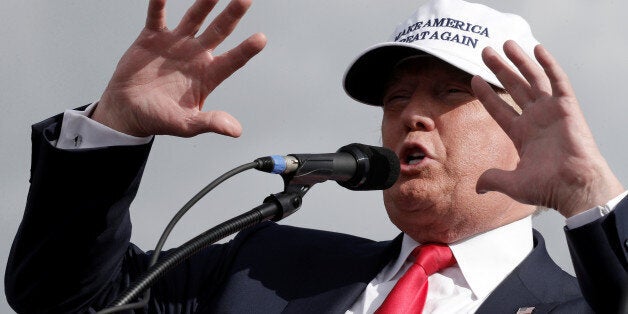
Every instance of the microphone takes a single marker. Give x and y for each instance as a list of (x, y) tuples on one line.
[(357, 167)]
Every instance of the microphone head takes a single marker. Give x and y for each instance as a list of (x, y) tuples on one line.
[(378, 167)]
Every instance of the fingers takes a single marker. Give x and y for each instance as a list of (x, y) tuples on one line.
[(216, 32), (497, 180), (537, 79), (517, 86), (194, 17), (499, 109), (218, 122), (224, 24), (232, 60), (156, 16), (549, 79), (557, 77)]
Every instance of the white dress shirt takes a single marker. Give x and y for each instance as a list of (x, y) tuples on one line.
[(483, 261), (79, 131)]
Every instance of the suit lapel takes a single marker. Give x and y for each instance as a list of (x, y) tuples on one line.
[(536, 282), (362, 266)]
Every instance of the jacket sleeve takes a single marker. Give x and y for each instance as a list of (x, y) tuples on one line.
[(599, 252), (72, 251), (76, 226)]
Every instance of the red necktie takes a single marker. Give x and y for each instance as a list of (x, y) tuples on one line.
[(408, 295)]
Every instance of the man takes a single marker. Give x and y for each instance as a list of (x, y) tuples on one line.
[(476, 159)]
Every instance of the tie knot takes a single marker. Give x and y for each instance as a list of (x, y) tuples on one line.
[(433, 257)]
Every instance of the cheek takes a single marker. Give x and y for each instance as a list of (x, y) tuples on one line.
[(498, 149), (390, 131), (478, 146)]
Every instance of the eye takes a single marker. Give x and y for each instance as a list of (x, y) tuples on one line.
[(455, 93), (454, 90), (396, 98)]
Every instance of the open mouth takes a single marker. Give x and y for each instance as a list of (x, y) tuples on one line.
[(412, 155), (414, 158)]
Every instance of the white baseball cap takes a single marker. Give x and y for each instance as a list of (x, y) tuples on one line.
[(454, 31)]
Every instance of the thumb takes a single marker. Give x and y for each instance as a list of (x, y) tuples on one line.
[(497, 180), (219, 122)]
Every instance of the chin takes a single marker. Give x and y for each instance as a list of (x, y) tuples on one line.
[(428, 231), (423, 223), (414, 198), (426, 222)]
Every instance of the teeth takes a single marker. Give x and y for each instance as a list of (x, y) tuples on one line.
[(414, 161), (415, 158)]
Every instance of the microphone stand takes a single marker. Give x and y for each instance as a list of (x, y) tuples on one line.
[(274, 207)]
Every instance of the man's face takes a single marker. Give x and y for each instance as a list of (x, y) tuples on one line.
[(445, 140)]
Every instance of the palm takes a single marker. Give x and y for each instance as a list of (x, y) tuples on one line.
[(161, 82), (560, 166), (549, 148), (164, 77)]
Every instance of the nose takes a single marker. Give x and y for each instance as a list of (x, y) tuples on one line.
[(417, 116)]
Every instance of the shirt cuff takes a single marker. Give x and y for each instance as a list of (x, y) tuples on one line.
[(594, 213), (79, 131)]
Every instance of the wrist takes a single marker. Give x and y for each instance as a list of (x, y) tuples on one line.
[(105, 114), (596, 192)]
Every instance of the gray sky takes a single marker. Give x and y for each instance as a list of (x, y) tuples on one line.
[(60, 54)]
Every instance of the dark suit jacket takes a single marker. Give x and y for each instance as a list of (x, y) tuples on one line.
[(72, 253)]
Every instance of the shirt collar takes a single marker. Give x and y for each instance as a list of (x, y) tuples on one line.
[(487, 258), (484, 259)]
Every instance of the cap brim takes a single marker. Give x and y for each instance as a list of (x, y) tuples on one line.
[(365, 79)]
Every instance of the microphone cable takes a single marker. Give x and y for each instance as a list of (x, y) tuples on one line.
[(164, 236), (349, 166)]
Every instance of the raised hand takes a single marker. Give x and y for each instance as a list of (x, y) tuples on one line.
[(161, 82), (560, 165)]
